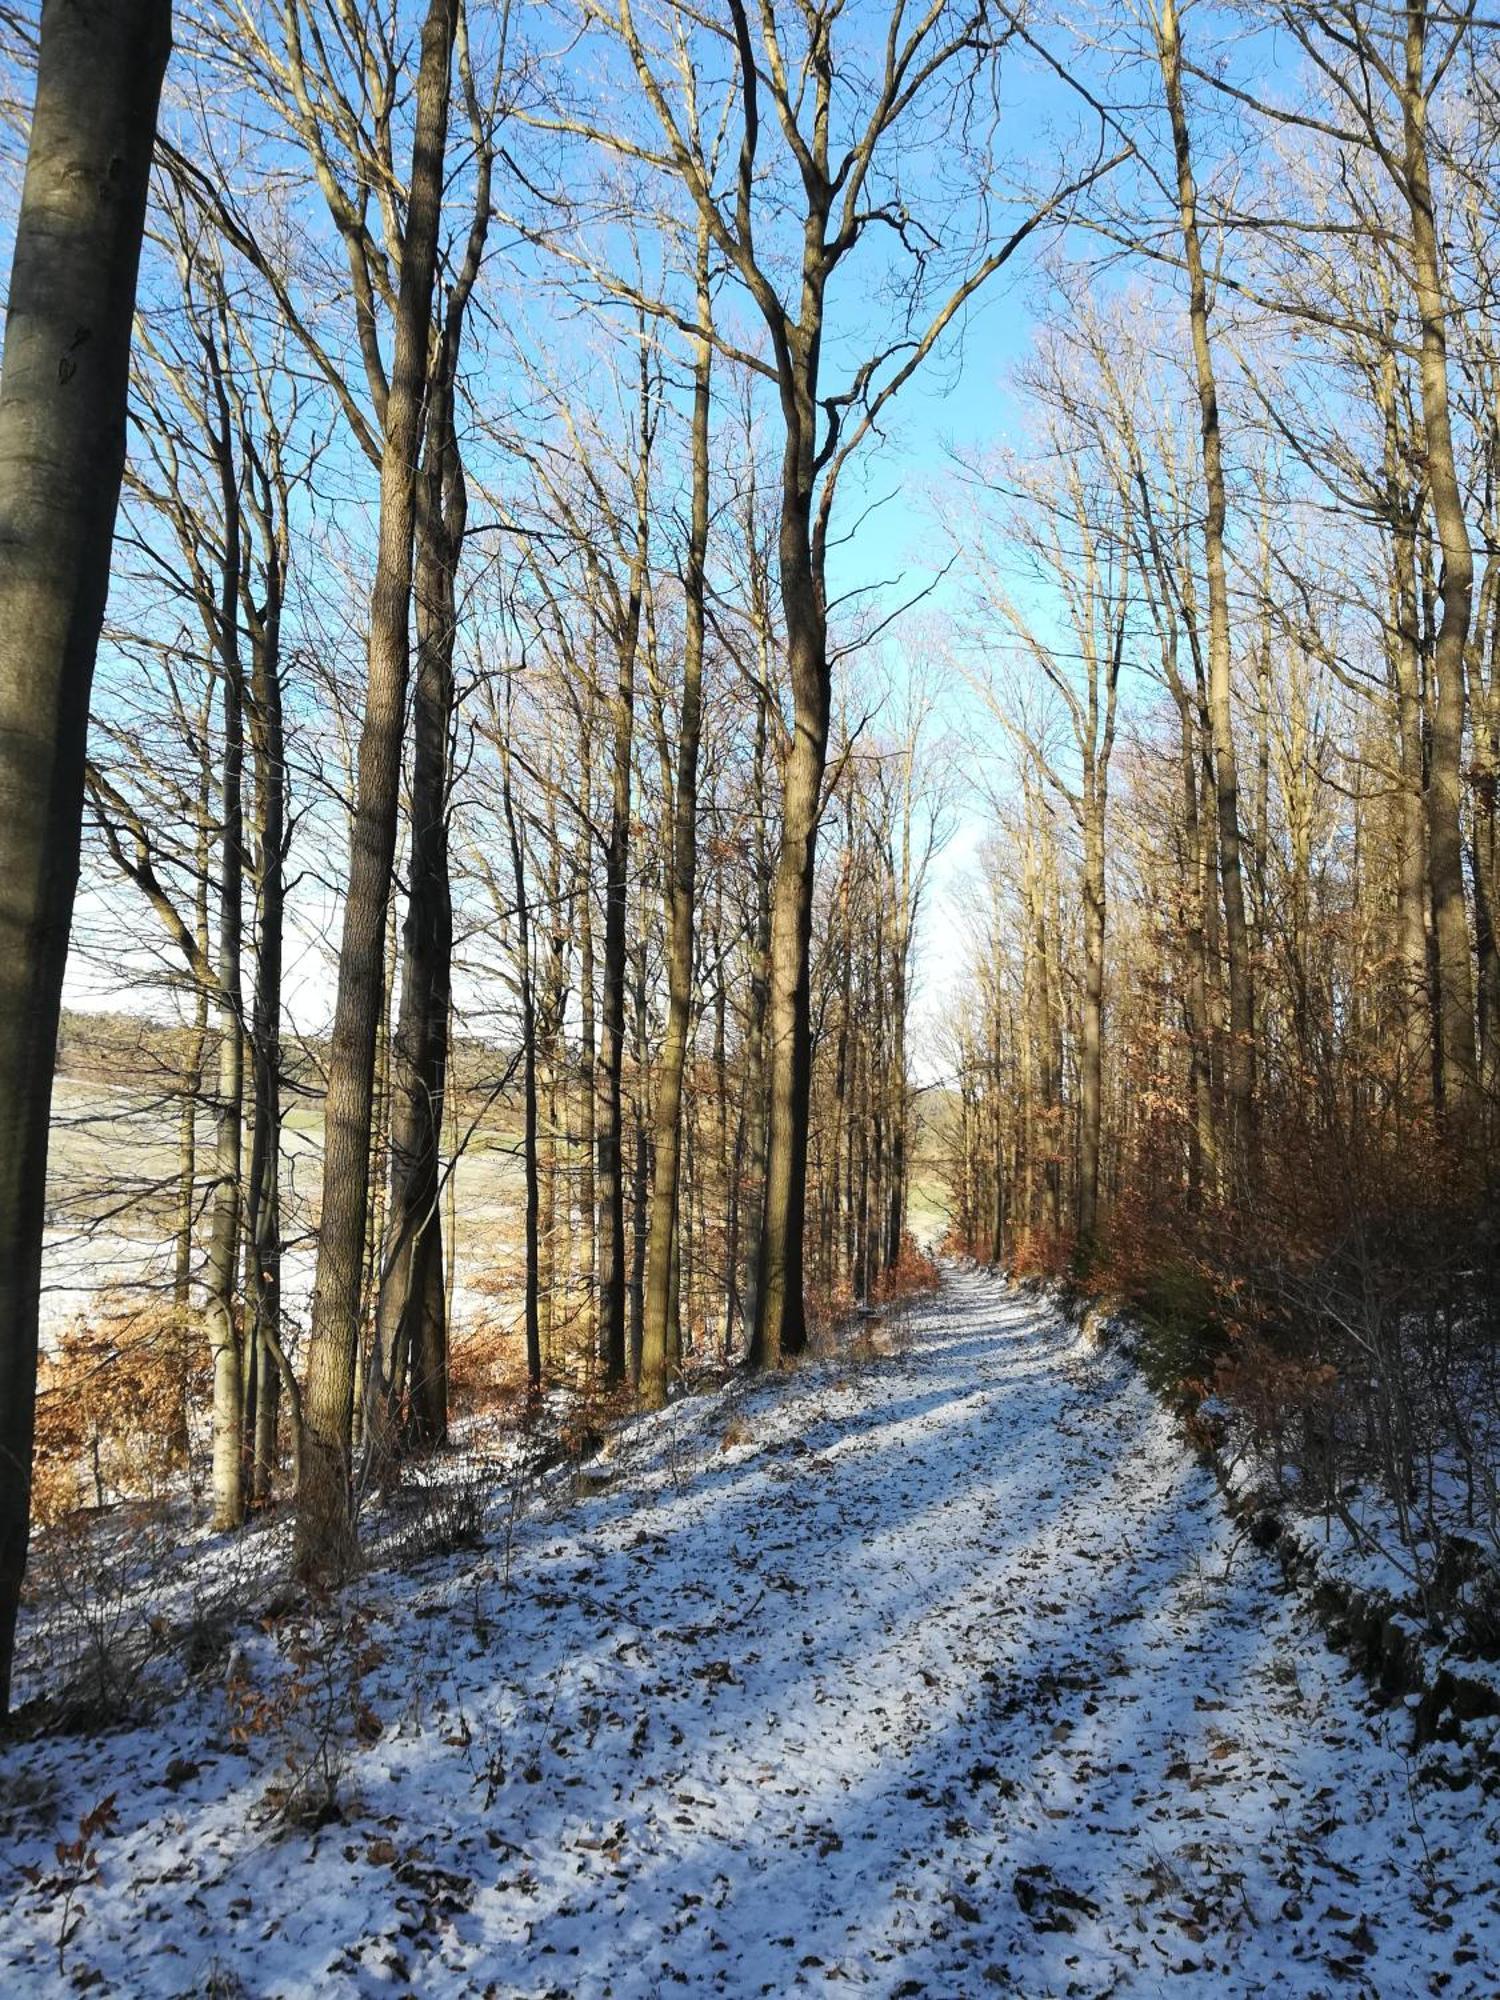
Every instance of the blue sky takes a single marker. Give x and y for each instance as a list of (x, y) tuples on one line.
[(962, 397)]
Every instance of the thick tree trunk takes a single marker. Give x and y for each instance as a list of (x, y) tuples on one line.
[(1404, 668), (754, 1165), (62, 448), (408, 1358), (377, 1193), (325, 1538), (1197, 988), (781, 1323), (1197, 875), (781, 1328)]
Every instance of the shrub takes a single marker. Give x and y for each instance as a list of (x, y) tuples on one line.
[(77, 1868), (315, 1711), (1179, 1308), (95, 1587), (113, 1404), (913, 1274), (486, 1365), (436, 1516)]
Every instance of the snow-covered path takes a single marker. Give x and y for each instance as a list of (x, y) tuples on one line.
[(933, 1675)]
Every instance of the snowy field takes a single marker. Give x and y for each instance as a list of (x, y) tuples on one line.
[(937, 1674), (111, 1197)]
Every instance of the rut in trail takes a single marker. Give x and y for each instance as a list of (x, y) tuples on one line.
[(934, 1675)]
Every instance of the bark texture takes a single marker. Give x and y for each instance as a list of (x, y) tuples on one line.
[(663, 1252), (1457, 1066), (1240, 1062), (62, 452), (324, 1525)]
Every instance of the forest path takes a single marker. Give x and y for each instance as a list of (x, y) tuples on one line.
[(938, 1674)]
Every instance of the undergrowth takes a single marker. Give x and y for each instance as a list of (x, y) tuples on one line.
[(1342, 1328)]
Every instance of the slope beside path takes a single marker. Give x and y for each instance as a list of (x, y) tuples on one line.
[(934, 1674)]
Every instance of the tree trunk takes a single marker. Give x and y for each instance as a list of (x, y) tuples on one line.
[(610, 1178), (1404, 671), (611, 1173), (841, 1141), (640, 1192), (663, 1251), (408, 1358), (997, 1156), (755, 1030), (549, 1024), (221, 1267), (896, 1114), (1091, 1039), (528, 1066), (263, 1194), (192, 1073), (1485, 701), (587, 1059), (1240, 1062), (63, 390), (325, 1538), (1455, 983), (781, 1324)]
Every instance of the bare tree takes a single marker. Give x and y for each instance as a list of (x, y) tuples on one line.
[(1241, 1056), (682, 875), (324, 1526), (62, 449), (834, 187)]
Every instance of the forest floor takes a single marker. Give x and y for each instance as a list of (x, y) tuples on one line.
[(938, 1671)]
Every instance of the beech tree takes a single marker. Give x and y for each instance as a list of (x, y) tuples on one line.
[(682, 871), (62, 449), (841, 181), (324, 1527), (513, 786), (1076, 526), (1240, 1062)]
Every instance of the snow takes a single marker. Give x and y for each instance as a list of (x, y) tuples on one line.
[(1393, 1557), (937, 1673)]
